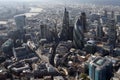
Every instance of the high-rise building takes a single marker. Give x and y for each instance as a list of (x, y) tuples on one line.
[(20, 21), (100, 69), (45, 33), (105, 13), (71, 27), (112, 14), (99, 31), (20, 24), (83, 21), (112, 33), (65, 26), (7, 47), (78, 34), (117, 18), (105, 17), (43, 30)]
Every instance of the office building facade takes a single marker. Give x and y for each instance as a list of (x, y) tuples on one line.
[(100, 69), (78, 32), (65, 26)]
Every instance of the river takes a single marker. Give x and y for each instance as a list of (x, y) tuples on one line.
[(33, 11)]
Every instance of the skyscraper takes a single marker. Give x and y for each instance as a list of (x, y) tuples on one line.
[(45, 32), (65, 26), (112, 33), (117, 18), (20, 24), (78, 34), (99, 32), (100, 69), (83, 21), (112, 14), (105, 13), (20, 21)]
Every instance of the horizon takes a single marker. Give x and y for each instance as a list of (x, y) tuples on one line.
[(60, 0)]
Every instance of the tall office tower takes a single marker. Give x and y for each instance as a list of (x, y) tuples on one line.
[(65, 26), (100, 69), (105, 14), (117, 18), (99, 29), (20, 21), (71, 32), (112, 33), (45, 32), (78, 35), (83, 21), (112, 14), (7, 47)]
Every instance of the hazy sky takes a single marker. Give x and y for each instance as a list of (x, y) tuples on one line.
[(115, 2), (60, 0)]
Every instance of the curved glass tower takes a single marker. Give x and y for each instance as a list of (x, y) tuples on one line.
[(78, 35)]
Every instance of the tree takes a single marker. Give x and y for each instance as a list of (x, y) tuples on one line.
[(84, 76)]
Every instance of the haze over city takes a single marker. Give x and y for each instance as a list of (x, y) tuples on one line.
[(110, 2), (60, 40)]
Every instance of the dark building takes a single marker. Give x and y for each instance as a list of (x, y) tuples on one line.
[(112, 14), (71, 32), (94, 17), (43, 29), (90, 47), (71, 27), (116, 75), (20, 24), (22, 53), (7, 47), (83, 21), (117, 18), (65, 26), (105, 13), (27, 37), (78, 32), (99, 30), (45, 33), (112, 33), (14, 34), (63, 47), (105, 17)]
